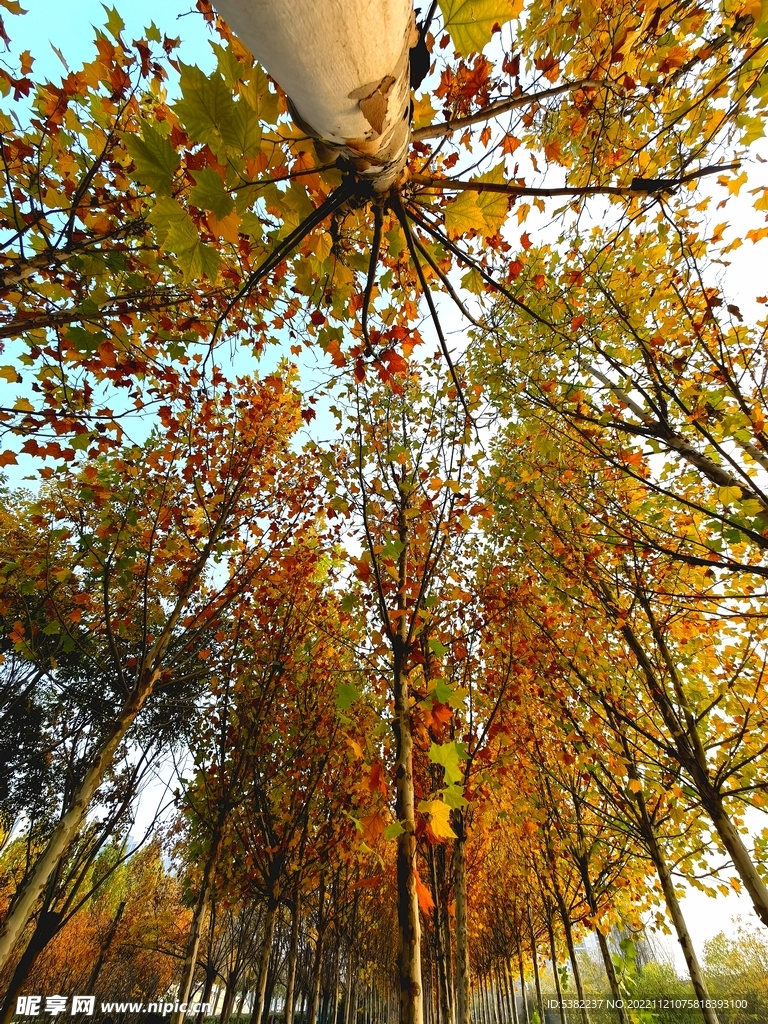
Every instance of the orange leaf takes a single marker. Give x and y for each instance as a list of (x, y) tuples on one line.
[(424, 896)]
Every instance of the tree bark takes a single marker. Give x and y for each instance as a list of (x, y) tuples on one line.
[(462, 938), (553, 955), (535, 958), (317, 967), (293, 953), (345, 66), (525, 1015), (266, 949), (610, 970), (195, 928), (692, 756), (568, 930), (409, 925), (46, 926)]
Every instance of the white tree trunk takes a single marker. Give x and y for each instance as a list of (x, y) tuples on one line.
[(344, 64)]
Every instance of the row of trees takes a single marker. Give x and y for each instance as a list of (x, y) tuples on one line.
[(479, 677)]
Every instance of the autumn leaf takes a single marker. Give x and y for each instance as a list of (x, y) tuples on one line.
[(439, 818), (155, 158), (471, 22)]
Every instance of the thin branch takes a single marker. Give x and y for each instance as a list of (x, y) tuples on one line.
[(638, 187), (403, 218), (284, 249), (446, 283), (436, 131)]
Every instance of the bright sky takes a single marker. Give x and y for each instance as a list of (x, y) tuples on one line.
[(66, 24)]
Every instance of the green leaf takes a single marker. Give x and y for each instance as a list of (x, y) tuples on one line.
[(482, 212), (241, 134), (470, 22), (206, 108), (81, 442), (437, 648), (115, 23), (454, 796), (227, 64), (259, 96), (393, 831), (463, 215), (393, 548), (83, 340), (155, 158), (177, 233), (473, 282), (442, 691), (449, 755), (209, 193), (346, 695)]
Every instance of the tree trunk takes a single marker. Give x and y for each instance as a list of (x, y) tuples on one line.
[(205, 997), (553, 955), (566, 919), (334, 1017), (693, 759), (610, 970), (345, 69), (46, 926), (509, 983), (462, 935), (293, 953), (675, 910), (195, 928), (443, 1000), (70, 822), (409, 926), (536, 978), (349, 988), (522, 982), (230, 991), (261, 985), (317, 974)]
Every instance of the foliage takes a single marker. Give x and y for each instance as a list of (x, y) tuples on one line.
[(480, 676)]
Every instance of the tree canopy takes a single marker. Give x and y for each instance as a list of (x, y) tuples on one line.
[(400, 477)]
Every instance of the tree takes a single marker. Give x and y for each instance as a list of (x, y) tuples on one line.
[(153, 220), (144, 530)]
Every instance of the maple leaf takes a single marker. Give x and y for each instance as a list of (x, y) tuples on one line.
[(471, 22), (439, 818)]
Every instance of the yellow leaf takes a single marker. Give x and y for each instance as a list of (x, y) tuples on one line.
[(635, 785), (717, 234), (228, 227), (357, 750), (482, 212), (463, 215), (439, 818), (733, 184), (23, 405), (10, 374), (423, 111), (471, 22), (727, 495)]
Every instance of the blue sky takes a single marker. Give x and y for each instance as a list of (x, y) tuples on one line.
[(68, 25)]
